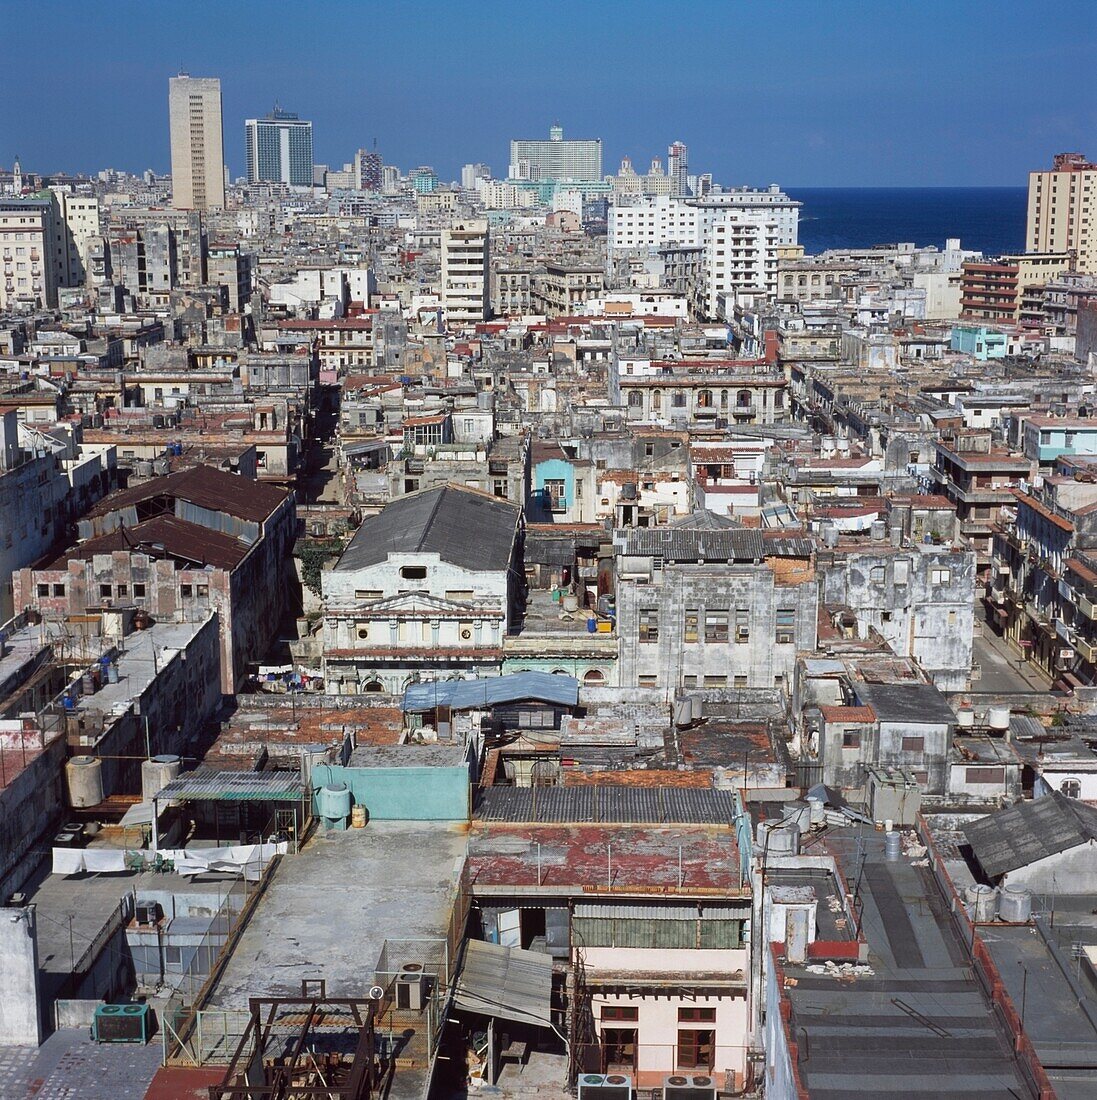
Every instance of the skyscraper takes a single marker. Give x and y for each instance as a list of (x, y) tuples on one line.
[(197, 146), (279, 149), (368, 168), (1059, 210), (556, 159), (678, 167)]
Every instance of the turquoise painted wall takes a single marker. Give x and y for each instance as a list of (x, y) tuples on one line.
[(555, 469), (403, 794)]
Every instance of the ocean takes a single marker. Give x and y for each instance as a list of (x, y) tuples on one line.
[(989, 219)]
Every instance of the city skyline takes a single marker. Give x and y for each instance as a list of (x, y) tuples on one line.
[(805, 105)]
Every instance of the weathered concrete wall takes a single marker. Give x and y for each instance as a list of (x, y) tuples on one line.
[(31, 804), (20, 1021)]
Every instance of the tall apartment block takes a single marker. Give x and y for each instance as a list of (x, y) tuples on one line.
[(678, 168), (556, 159), (1062, 206), (368, 170), (197, 146), (279, 149), (466, 286)]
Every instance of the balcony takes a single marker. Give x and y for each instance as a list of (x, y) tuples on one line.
[(1086, 606), (1086, 650), (741, 412)]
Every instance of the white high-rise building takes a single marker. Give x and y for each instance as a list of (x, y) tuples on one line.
[(197, 145), (470, 173), (556, 159), (279, 149), (466, 285), (678, 167)]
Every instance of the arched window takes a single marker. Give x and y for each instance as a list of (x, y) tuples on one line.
[(743, 399), (595, 677), (635, 399), (723, 399), (374, 685), (1071, 788), (704, 399), (560, 672), (656, 399)]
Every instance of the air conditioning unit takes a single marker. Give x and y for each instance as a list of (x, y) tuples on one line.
[(411, 993), (605, 1086), (694, 1086), (146, 912), (122, 1024)]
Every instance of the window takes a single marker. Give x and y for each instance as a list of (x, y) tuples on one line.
[(851, 739), (648, 681), (712, 682), (184, 591), (105, 591), (620, 1012), (123, 591), (695, 1048), (986, 775), (618, 1047), (740, 683), (689, 681), (716, 626), (689, 630), (554, 491), (649, 625), (914, 744), (58, 589), (367, 594), (940, 576), (786, 625), (1071, 788), (877, 574), (697, 1015), (43, 590), (742, 624), (413, 572)]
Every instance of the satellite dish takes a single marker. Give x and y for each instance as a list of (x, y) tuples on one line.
[(376, 993)]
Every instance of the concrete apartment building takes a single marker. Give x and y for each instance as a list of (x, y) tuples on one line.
[(178, 547), (712, 609), (994, 290), (556, 159), (466, 278), (33, 252), (197, 145), (1062, 210)]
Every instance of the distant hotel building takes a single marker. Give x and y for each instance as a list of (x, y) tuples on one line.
[(279, 149), (369, 170), (556, 159), (197, 145), (1062, 205)]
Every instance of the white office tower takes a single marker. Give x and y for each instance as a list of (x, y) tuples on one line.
[(678, 167), (279, 149), (197, 146), (466, 286)]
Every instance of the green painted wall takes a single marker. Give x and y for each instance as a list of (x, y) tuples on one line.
[(403, 794)]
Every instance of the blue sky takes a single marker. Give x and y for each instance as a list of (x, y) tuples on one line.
[(802, 92)]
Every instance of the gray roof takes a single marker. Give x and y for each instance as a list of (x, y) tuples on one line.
[(543, 687), (462, 526), (505, 982), (608, 805), (684, 544), (920, 704), (1030, 831)]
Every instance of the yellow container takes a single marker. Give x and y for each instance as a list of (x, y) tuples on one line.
[(605, 626), (357, 817)]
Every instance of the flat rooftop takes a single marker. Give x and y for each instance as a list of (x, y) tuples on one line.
[(19, 651), (919, 1027), (329, 909)]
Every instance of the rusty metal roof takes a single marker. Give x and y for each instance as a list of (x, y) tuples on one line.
[(608, 805)]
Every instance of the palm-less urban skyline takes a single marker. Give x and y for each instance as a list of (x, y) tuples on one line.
[(838, 94)]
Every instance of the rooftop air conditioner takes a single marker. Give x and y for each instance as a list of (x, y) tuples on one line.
[(695, 1086), (411, 987), (605, 1086), (122, 1024)]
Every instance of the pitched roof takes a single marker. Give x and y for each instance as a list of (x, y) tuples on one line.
[(205, 486), (544, 687), (164, 537), (1030, 831), (464, 527)]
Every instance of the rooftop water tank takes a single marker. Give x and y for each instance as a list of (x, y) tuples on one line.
[(85, 781), (157, 773), (333, 805), (965, 717), (983, 900), (311, 755), (998, 718), (783, 836), (893, 846), (1015, 904)]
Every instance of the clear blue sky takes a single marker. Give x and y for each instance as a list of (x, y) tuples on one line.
[(803, 92)]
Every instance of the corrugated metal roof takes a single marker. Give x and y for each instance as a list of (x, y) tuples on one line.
[(462, 526), (505, 982), (544, 687), (210, 785), (608, 805), (678, 544), (165, 537), (1029, 831), (668, 910)]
